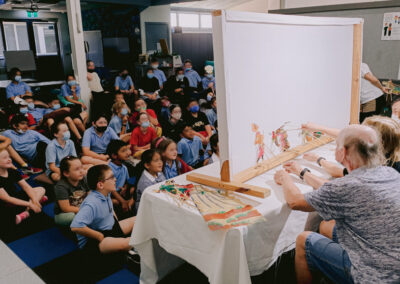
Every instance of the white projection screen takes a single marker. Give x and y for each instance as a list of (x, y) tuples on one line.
[(271, 69)]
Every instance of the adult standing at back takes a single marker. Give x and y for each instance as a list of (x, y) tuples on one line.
[(372, 94)]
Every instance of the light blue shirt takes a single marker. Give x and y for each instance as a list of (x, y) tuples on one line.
[(123, 84), (55, 153), (206, 81), (96, 213), (120, 173), (67, 92), (193, 78), (189, 149), (25, 144), (96, 143), (159, 74), (38, 113), (116, 124), (146, 180), (19, 89), (212, 116), (171, 172)]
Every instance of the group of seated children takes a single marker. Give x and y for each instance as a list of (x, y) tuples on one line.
[(156, 132)]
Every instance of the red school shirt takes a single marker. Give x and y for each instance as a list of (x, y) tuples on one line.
[(141, 139), (134, 116)]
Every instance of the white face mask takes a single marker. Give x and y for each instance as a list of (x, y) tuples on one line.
[(177, 115)]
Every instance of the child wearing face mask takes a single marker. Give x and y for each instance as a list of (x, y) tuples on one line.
[(171, 125), (29, 144), (17, 87), (152, 172), (177, 87), (142, 136), (141, 107), (124, 85), (198, 121), (149, 90), (119, 121), (95, 141), (159, 74), (173, 165), (60, 147), (23, 110)]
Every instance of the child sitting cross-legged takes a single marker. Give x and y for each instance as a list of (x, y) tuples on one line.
[(95, 224), (15, 206), (173, 165), (70, 191), (152, 172), (119, 152), (190, 148)]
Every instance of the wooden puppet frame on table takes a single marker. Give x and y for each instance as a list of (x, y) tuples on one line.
[(228, 180)]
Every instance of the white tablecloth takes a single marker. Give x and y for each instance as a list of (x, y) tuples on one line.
[(165, 233)]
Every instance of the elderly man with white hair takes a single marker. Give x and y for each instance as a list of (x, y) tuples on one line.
[(365, 204)]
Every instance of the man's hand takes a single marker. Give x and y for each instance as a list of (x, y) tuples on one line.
[(311, 157), (281, 176), (292, 167)]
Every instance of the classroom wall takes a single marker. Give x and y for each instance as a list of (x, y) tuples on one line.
[(260, 6), (383, 57), (63, 34), (160, 14), (287, 4)]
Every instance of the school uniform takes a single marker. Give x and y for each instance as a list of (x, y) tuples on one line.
[(124, 84), (159, 74), (120, 173), (171, 130), (116, 124), (146, 180), (172, 171), (19, 89), (140, 139), (38, 113), (193, 77), (198, 123), (211, 116), (206, 81), (190, 150), (96, 213), (55, 153), (30, 145), (67, 92), (96, 143)]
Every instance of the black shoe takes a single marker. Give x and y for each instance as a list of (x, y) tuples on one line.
[(133, 257)]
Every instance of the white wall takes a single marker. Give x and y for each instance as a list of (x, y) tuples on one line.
[(160, 14), (309, 3), (252, 6)]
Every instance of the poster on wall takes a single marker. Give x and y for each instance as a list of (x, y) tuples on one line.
[(391, 26)]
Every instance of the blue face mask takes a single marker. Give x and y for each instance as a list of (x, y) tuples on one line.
[(145, 124), (188, 69), (72, 83), (150, 75), (194, 109), (209, 97), (209, 76), (20, 131), (180, 77), (56, 106), (18, 78), (124, 111), (31, 106), (23, 110), (66, 135)]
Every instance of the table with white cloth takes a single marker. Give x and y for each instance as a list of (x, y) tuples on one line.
[(167, 233)]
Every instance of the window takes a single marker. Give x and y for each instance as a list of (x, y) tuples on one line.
[(45, 38), (188, 20), (174, 22), (1, 45), (16, 35), (206, 21)]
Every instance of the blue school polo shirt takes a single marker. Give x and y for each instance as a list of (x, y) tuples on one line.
[(96, 213), (159, 74), (55, 153), (67, 92), (120, 173), (123, 84), (19, 89), (205, 81), (171, 172), (193, 78), (25, 144), (38, 113), (189, 149), (116, 124), (212, 116), (96, 143)]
